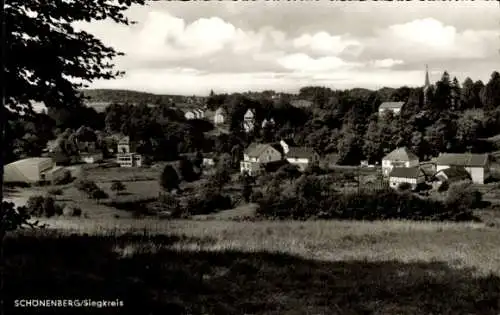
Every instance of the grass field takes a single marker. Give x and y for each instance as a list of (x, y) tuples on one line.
[(227, 267)]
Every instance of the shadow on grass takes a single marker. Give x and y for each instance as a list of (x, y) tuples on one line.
[(193, 282)]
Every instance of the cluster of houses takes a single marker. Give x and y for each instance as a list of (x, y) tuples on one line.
[(403, 166), (259, 155)]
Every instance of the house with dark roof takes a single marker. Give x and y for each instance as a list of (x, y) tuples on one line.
[(394, 107), (477, 165), (258, 154), (401, 157), (302, 157), (450, 175), (411, 175)]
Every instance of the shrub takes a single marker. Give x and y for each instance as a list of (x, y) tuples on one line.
[(404, 187), (39, 206), (461, 195), (256, 196), (313, 200), (444, 186), (55, 192), (117, 187), (87, 186), (62, 178)]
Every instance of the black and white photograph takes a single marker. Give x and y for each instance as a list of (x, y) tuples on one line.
[(250, 157)]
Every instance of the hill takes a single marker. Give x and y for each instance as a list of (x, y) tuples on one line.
[(122, 96)]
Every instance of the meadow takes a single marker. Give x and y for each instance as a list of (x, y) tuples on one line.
[(228, 267)]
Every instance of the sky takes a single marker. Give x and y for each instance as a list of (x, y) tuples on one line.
[(190, 48)]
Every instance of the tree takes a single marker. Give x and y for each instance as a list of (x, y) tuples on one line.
[(117, 187), (186, 170), (468, 95), (169, 179), (220, 178), (98, 194), (56, 60), (491, 92)]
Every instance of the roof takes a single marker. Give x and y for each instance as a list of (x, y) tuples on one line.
[(256, 149), (26, 170), (391, 105), (462, 159), (405, 172), (31, 161), (455, 173), (124, 140), (250, 112), (301, 103), (300, 152), (401, 154), (220, 111)]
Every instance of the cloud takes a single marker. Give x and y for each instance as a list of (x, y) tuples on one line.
[(232, 49), (302, 62), (323, 42), (430, 39), (386, 63)]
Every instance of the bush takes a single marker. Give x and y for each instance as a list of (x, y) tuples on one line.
[(404, 187), (55, 192), (314, 200), (87, 186), (444, 186), (38, 206), (117, 187), (461, 195), (256, 196), (209, 202), (62, 178)]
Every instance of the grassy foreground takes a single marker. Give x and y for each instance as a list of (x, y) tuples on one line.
[(224, 267)]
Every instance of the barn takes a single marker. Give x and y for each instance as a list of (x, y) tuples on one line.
[(31, 170), (477, 165)]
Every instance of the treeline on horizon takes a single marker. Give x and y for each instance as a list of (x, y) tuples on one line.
[(451, 117)]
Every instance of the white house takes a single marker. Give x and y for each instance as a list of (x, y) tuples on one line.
[(220, 116), (401, 157), (31, 170), (394, 107), (477, 165), (126, 155), (410, 175), (301, 157), (258, 154), (249, 120)]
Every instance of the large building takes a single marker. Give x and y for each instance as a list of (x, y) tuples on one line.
[(258, 154), (126, 155), (401, 157), (31, 170), (394, 107), (477, 165)]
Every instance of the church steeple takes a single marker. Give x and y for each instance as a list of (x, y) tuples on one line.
[(427, 81), (427, 85)]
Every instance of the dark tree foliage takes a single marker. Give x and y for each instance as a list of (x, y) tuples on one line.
[(46, 60), (169, 179)]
